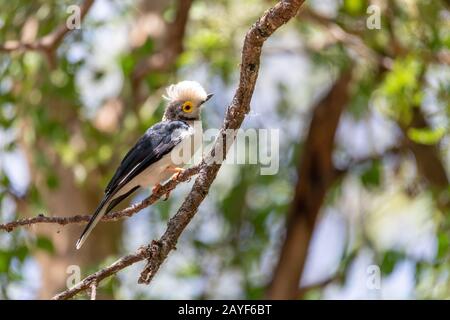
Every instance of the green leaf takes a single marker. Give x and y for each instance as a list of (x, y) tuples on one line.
[(443, 245), (127, 63), (426, 135), (45, 244), (5, 258), (355, 7), (190, 270), (390, 259), (52, 181), (371, 176), (21, 253), (401, 90)]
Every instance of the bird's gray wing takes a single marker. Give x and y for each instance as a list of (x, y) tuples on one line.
[(158, 141)]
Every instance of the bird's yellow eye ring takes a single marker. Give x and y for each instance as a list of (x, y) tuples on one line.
[(187, 107)]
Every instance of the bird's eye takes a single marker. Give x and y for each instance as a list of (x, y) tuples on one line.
[(187, 106)]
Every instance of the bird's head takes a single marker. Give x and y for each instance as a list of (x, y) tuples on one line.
[(185, 101)]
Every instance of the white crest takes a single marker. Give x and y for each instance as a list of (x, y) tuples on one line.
[(184, 91)]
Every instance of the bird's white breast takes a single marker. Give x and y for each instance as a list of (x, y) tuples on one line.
[(191, 143), (159, 171)]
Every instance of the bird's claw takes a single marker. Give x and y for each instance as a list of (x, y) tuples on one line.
[(156, 188), (178, 171)]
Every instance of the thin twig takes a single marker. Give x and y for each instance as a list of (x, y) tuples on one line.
[(157, 251), (114, 216), (352, 40), (101, 274), (49, 41)]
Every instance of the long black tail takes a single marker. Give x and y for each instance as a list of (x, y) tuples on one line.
[(100, 212)]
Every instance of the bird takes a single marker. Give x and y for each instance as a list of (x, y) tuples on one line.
[(150, 161)]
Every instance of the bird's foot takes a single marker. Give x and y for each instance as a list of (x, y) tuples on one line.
[(156, 188), (177, 171)]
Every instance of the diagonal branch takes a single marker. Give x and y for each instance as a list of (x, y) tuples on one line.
[(274, 18), (337, 34), (157, 251)]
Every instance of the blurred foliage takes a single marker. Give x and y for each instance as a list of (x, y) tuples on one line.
[(53, 110)]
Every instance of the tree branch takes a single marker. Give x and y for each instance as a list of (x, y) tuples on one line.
[(114, 216), (157, 251), (98, 276), (337, 34), (316, 172), (50, 41)]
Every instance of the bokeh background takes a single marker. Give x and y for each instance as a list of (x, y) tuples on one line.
[(379, 207)]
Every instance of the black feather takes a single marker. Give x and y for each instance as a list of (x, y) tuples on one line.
[(158, 141), (119, 199)]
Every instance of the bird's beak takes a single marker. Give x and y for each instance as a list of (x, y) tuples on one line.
[(209, 96)]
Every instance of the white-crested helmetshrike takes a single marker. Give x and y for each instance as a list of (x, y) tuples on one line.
[(149, 162)]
